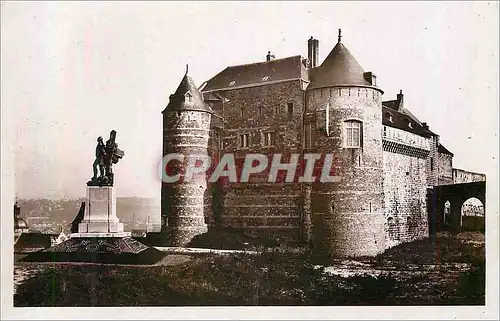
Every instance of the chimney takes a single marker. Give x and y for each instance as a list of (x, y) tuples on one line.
[(425, 125), (400, 99), (371, 78), (313, 51), (269, 57)]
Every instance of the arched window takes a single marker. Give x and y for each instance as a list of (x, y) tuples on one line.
[(352, 133)]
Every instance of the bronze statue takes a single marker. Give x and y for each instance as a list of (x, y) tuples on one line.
[(100, 154), (106, 155)]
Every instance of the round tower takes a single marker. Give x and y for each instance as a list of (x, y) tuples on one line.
[(346, 110), (186, 132)]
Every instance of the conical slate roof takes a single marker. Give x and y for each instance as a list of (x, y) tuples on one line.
[(339, 68), (187, 97)]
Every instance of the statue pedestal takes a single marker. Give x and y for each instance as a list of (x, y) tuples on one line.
[(100, 237), (100, 218)]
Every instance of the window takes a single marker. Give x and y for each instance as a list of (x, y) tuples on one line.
[(265, 78), (244, 141), (269, 139), (260, 111), (308, 136), (242, 112), (352, 133), (188, 97), (232, 83), (432, 164), (385, 131), (289, 110)]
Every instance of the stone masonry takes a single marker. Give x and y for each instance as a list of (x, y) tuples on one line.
[(186, 131), (386, 158)]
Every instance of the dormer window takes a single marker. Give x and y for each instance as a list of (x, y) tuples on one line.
[(390, 119), (265, 78), (188, 97), (409, 125), (232, 83)]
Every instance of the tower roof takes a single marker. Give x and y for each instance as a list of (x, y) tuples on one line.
[(339, 68), (187, 97)]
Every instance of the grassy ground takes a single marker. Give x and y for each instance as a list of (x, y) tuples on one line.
[(441, 270)]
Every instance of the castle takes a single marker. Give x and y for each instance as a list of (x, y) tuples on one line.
[(388, 160)]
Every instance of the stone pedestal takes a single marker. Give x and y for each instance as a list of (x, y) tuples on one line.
[(100, 237), (100, 218)]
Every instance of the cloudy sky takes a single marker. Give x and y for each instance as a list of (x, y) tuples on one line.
[(75, 70)]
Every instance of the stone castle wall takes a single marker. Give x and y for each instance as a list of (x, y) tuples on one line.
[(259, 207), (431, 166), (462, 176), (445, 169), (404, 198), (184, 204), (379, 202), (347, 216)]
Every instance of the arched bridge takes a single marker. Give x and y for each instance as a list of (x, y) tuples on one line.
[(444, 204)]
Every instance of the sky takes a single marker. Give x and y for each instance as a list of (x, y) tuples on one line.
[(72, 71)]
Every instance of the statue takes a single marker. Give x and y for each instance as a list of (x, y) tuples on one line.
[(106, 155), (100, 154)]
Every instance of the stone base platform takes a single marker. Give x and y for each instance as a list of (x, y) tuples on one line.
[(100, 235), (108, 250)]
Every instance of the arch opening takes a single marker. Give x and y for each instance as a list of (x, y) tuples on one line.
[(472, 215)]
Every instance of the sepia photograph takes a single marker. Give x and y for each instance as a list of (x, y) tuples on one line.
[(249, 160)]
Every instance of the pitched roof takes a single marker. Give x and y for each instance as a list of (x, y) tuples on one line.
[(258, 73), (400, 120), (187, 97), (212, 96), (409, 114), (443, 150), (339, 68), (392, 104)]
